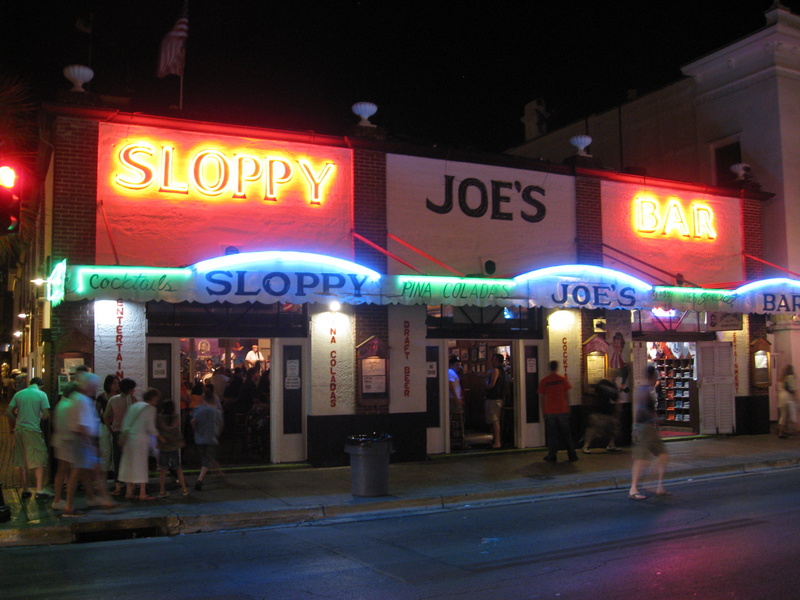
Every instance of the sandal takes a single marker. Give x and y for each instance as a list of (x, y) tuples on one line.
[(163, 495), (185, 491), (637, 496), (145, 499)]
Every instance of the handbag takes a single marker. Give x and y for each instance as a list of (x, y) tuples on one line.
[(153, 449)]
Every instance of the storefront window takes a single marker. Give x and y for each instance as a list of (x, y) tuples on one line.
[(518, 322), (659, 321), (223, 320)]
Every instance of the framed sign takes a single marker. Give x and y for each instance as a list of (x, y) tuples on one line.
[(373, 375)]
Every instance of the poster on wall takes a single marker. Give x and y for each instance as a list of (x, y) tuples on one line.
[(159, 369), (373, 375), (618, 336)]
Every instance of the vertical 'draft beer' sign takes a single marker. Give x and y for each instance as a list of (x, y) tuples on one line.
[(156, 184)]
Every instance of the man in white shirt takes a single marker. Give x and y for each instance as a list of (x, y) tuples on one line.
[(253, 357), (456, 395), (456, 402)]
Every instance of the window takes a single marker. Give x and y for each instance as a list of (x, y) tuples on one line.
[(725, 156), (496, 322), (223, 320)]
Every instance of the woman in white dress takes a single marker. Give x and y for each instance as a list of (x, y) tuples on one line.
[(138, 427)]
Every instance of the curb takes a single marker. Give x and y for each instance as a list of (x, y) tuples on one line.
[(175, 524)]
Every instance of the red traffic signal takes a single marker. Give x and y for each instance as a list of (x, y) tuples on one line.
[(9, 201)]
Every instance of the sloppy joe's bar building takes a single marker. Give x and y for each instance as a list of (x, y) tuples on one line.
[(359, 266)]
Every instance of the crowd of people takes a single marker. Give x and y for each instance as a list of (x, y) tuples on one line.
[(97, 432)]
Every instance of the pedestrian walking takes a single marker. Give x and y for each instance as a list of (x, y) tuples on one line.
[(647, 442), (603, 419), (61, 441), (83, 428), (787, 403), (207, 424)]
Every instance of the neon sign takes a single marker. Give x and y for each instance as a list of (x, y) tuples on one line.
[(670, 218), (56, 283), (215, 171)]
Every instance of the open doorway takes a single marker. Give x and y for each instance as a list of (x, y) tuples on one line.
[(471, 427), (236, 372)]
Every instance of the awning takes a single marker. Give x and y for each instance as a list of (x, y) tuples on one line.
[(299, 277)]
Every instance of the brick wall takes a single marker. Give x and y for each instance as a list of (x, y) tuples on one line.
[(752, 243), (589, 221), (74, 222), (369, 220)]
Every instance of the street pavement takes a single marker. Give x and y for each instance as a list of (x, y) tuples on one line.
[(296, 493)]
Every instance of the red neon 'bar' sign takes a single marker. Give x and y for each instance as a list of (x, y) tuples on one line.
[(653, 217), (215, 171)]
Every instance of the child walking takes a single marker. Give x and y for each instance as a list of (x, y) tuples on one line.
[(169, 446)]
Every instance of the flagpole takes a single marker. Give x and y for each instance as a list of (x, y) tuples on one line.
[(183, 67)]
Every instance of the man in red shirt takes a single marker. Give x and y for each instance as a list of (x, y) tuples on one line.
[(555, 392)]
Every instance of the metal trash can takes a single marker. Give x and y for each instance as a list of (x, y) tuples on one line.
[(369, 463)]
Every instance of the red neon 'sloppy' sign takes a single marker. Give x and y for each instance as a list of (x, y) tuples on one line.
[(181, 166), (653, 217)]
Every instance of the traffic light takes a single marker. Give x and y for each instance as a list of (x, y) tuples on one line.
[(9, 201)]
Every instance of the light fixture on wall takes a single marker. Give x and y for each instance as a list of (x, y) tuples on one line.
[(335, 306), (365, 110), (581, 142), (561, 319)]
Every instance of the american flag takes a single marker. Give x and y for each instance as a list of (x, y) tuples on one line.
[(173, 48)]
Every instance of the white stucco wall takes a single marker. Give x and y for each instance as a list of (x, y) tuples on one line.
[(407, 367), (464, 242), (119, 341), (700, 259), (332, 361), (564, 346)]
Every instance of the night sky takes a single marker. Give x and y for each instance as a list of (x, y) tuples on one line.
[(450, 73)]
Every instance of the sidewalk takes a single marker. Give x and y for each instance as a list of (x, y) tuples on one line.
[(297, 493)]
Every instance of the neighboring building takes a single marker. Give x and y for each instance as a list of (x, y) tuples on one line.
[(739, 105), (187, 240)]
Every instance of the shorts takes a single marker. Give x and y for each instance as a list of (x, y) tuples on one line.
[(29, 449), (85, 454), (788, 414), (493, 407), (62, 448), (169, 459), (647, 442), (208, 454)]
